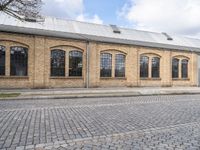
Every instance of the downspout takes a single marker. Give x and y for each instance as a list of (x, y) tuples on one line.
[(88, 64)]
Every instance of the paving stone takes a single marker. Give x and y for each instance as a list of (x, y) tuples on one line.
[(153, 122), (20, 148), (29, 147)]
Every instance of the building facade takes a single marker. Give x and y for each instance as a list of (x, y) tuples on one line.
[(28, 60)]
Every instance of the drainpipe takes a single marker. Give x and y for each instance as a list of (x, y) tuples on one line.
[(88, 64)]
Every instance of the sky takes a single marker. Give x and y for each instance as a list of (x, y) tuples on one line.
[(172, 16)]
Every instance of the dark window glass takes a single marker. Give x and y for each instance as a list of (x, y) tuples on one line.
[(184, 68), (57, 63), (175, 67), (155, 67), (144, 67), (2, 60), (18, 61), (75, 63), (120, 65), (106, 65)]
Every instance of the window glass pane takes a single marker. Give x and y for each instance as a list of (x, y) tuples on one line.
[(75, 63), (144, 67), (57, 63), (106, 65), (184, 68), (18, 61), (2, 60), (120, 65), (175, 67), (155, 67)]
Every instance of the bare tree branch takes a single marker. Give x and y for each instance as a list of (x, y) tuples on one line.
[(27, 10)]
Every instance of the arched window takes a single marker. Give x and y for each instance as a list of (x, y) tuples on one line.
[(144, 67), (2, 60), (18, 61), (57, 62), (75, 63), (155, 70), (106, 65), (184, 68), (119, 65), (175, 68)]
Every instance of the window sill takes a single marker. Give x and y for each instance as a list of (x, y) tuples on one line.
[(14, 77), (66, 78), (113, 78), (180, 79), (150, 79)]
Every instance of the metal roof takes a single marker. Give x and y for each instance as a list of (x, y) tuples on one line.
[(95, 32)]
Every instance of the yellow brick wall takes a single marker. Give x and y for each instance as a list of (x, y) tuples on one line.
[(67, 46), (39, 64), (9, 40)]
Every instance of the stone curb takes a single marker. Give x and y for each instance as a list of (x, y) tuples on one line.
[(101, 95)]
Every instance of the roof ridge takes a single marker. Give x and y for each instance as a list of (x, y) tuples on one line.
[(70, 19), (121, 27)]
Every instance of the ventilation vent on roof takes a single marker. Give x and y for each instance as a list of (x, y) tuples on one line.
[(34, 19), (115, 29), (30, 19), (169, 38)]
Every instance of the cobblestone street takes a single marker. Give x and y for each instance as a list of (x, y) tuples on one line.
[(149, 122)]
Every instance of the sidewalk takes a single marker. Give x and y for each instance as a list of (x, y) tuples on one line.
[(66, 93)]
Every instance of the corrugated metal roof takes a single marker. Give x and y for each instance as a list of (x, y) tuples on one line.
[(95, 32)]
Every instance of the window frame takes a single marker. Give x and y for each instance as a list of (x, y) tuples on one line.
[(62, 67), (102, 63), (178, 68), (182, 61), (152, 73), (69, 67), (4, 63), (147, 65), (26, 50), (123, 63)]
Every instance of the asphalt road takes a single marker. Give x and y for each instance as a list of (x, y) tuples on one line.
[(149, 122)]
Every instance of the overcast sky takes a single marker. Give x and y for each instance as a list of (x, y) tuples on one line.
[(172, 16)]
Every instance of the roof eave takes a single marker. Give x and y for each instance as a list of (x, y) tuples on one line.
[(51, 33)]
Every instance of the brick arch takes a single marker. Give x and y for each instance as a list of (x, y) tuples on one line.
[(76, 47), (105, 52), (153, 54), (79, 50), (54, 49), (17, 42), (181, 56), (115, 50)]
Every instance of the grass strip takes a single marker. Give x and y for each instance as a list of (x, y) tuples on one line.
[(7, 95)]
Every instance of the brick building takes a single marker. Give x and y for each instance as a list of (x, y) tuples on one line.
[(66, 53)]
